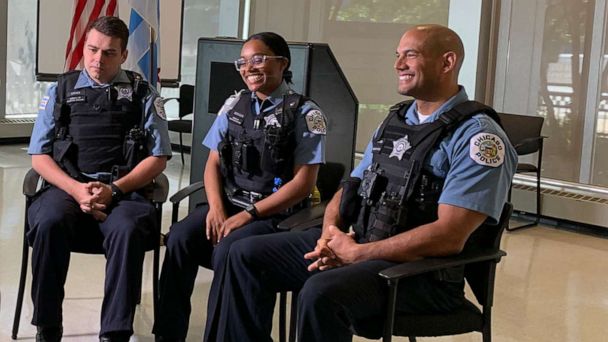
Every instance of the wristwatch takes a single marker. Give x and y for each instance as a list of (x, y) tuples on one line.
[(117, 194), (252, 210)]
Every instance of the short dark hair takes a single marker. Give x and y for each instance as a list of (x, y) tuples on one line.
[(278, 45), (112, 27)]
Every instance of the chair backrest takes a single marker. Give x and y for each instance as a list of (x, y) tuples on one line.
[(521, 131), (328, 180), (487, 236), (186, 100)]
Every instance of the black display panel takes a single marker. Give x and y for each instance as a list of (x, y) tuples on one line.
[(316, 74), (227, 82)]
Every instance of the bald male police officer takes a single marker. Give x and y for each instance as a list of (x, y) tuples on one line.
[(100, 137)]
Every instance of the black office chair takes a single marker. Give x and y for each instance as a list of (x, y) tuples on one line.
[(479, 257), (186, 107), (524, 132), (31, 185)]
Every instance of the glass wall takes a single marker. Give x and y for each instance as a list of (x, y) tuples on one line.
[(23, 92), (363, 35), (200, 19), (551, 62), (600, 157)]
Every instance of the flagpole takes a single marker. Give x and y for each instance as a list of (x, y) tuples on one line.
[(152, 71)]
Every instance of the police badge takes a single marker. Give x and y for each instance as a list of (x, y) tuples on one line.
[(124, 92), (400, 146), (271, 120)]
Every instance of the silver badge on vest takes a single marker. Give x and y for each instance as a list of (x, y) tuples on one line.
[(400, 146), (124, 92)]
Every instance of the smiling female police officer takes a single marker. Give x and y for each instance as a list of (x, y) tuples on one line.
[(266, 147)]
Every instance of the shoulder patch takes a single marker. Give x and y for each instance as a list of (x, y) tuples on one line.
[(487, 149), (315, 121), (230, 102), (160, 108), (43, 102)]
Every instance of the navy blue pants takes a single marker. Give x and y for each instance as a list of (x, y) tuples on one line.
[(330, 302), (58, 226), (187, 249)]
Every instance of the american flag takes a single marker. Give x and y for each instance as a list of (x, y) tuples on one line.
[(85, 11)]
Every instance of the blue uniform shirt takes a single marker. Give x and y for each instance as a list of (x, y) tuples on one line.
[(310, 147), (470, 182), (42, 138)]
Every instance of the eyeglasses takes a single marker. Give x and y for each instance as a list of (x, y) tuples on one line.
[(256, 61)]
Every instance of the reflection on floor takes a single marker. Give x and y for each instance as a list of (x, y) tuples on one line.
[(552, 286)]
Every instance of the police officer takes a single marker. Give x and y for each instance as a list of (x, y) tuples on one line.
[(266, 146), (433, 172), (100, 136)]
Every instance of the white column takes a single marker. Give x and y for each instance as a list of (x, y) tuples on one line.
[(465, 19)]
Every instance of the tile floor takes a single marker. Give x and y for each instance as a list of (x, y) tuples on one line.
[(552, 286)]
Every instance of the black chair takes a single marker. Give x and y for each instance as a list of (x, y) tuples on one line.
[(328, 180), (31, 185), (524, 132), (186, 106), (479, 257)]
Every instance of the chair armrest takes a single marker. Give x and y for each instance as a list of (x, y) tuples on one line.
[(531, 140), (185, 192), (30, 183), (412, 268), (160, 190), (305, 218), (165, 100)]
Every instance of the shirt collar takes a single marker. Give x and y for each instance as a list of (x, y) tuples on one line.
[(85, 81), (411, 116), (276, 96)]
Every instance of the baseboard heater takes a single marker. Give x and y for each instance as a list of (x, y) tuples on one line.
[(562, 201), (16, 128)]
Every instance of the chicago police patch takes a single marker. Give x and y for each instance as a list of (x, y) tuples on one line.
[(315, 121), (160, 108), (487, 149)]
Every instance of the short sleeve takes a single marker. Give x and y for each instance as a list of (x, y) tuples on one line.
[(41, 141), (310, 137)]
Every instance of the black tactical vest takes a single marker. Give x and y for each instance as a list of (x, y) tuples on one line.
[(93, 125), (397, 192), (257, 152)]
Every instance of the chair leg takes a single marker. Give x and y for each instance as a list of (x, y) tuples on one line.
[(282, 314), (293, 316), (181, 147), (155, 265), (537, 217), (538, 203), (412, 338), (22, 277)]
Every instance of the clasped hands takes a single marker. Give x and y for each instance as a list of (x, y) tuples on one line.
[(94, 198), (334, 249)]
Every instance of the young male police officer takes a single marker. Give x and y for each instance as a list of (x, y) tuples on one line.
[(434, 171), (101, 135)]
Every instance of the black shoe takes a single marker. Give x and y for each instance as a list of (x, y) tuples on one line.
[(49, 334), (115, 336)]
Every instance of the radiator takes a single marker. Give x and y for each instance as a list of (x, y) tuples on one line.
[(562, 201), (16, 128)]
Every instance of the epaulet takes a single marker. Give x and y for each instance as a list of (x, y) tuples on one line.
[(468, 109), (140, 85), (231, 101), (398, 106)]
